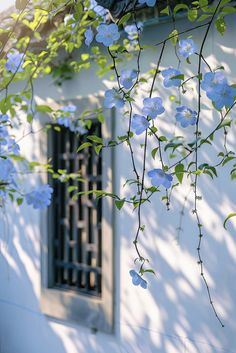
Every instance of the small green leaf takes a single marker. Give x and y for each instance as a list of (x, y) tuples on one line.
[(98, 149), (220, 25), (84, 145), (19, 201), (180, 7), (174, 36), (43, 109), (166, 11), (95, 139), (179, 172), (227, 159), (154, 152), (124, 18), (192, 14), (227, 218), (119, 203)]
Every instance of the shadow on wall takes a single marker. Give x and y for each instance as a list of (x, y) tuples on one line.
[(23, 328)]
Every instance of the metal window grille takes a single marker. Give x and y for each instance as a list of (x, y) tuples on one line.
[(76, 229)]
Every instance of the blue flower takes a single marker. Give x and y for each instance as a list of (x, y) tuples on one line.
[(217, 89), (158, 177), (185, 116), (168, 74), (39, 197), (3, 135), (187, 47), (152, 107), (224, 96), (132, 30), (107, 34), (139, 124), (4, 118), (127, 77), (7, 170), (137, 279), (113, 99), (71, 108), (64, 121), (99, 10), (13, 147), (14, 61), (148, 2), (88, 36), (213, 82)]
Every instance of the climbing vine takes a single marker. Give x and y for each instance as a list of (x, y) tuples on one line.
[(62, 38)]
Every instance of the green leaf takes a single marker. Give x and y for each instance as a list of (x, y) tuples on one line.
[(180, 7), (154, 152), (226, 122), (203, 3), (179, 172), (179, 77), (166, 11), (19, 201), (227, 10), (203, 17), (98, 149), (101, 118), (124, 18), (149, 270), (192, 14), (72, 188), (119, 203), (227, 218), (174, 36), (227, 159), (29, 118), (220, 25), (84, 145), (43, 109), (95, 139)]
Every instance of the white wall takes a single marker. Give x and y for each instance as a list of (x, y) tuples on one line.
[(174, 314)]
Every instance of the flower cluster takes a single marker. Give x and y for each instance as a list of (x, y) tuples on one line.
[(39, 197), (218, 90)]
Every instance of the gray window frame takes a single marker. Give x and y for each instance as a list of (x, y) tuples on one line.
[(67, 305)]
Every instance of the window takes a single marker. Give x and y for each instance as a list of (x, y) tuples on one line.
[(76, 224), (77, 283)]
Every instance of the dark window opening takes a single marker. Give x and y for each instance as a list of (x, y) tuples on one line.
[(76, 224)]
